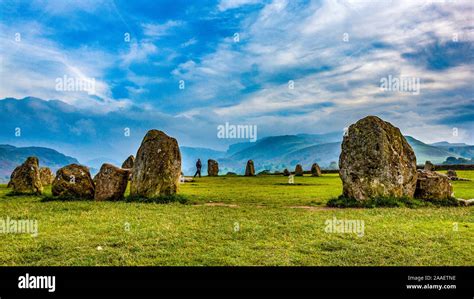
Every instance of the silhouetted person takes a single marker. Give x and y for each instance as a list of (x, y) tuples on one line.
[(198, 167)]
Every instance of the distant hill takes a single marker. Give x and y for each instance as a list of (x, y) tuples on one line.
[(461, 149), (425, 152), (275, 153), (11, 157)]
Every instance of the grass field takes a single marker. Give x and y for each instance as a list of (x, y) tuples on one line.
[(238, 221)]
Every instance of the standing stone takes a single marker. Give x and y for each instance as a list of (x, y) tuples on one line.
[(128, 163), (73, 181), (250, 168), (110, 182), (47, 176), (212, 168), (299, 170), (376, 161), (315, 170), (26, 178), (429, 166), (157, 166), (433, 185), (452, 174), (286, 172)]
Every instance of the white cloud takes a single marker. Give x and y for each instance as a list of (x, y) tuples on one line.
[(159, 30), (285, 38), (31, 65), (232, 4)]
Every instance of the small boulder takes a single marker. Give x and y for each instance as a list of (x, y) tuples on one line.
[(47, 176), (433, 185), (128, 163), (429, 166), (250, 168), (73, 181), (315, 170), (110, 183), (299, 170), (376, 161), (286, 172), (212, 168), (452, 175), (157, 167), (26, 178)]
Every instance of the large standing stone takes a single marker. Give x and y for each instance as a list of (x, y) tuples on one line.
[(376, 161), (47, 176), (299, 170), (286, 172), (73, 181), (315, 170), (128, 163), (26, 178), (250, 168), (212, 168), (429, 166), (110, 182), (433, 185), (157, 166)]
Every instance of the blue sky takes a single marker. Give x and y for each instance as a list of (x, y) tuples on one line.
[(334, 52)]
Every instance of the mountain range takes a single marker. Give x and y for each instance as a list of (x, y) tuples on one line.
[(272, 153), (276, 153), (11, 157), (96, 139)]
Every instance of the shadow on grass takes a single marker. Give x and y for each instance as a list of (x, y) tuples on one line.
[(22, 194), (390, 202), (64, 198), (159, 199)]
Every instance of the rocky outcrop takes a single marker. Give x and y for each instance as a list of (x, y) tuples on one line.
[(376, 161)]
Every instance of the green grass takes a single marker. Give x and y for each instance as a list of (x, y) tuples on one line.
[(238, 221)]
